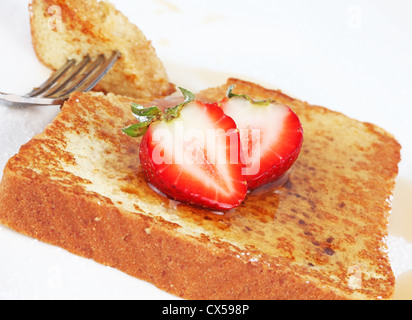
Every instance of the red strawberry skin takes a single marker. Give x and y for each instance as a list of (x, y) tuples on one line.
[(281, 137), (288, 147), (212, 185)]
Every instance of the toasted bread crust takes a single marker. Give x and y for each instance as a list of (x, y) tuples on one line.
[(310, 239), (63, 29), (141, 247)]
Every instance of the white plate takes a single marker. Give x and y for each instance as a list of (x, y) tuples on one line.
[(351, 56)]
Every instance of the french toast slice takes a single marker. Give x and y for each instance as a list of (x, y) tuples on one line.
[(321, 235), (64, 29)]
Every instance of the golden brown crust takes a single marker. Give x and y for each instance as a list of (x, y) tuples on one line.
[(140, 246), (313, 238), (64, 29)]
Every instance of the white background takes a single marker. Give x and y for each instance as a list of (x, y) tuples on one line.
[(351, 56)]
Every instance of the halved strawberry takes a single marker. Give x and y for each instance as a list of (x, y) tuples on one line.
[(271, 136), (191, 153)]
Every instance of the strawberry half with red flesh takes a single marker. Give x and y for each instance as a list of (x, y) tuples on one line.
[(191, 153), (271, 136)]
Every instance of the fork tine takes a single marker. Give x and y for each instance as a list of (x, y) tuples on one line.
[(94, 77), (67, 78), (77, 81), (70, 77), (53, 79)]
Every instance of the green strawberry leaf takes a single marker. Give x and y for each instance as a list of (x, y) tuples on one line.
[(174, 112), (148, 115), (137, 130), (189, 97), (145, 115), (230, 95), (142, 111)]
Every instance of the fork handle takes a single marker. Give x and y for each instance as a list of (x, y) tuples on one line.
[(24, 100)]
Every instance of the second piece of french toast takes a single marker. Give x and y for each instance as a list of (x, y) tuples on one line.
[(63, 29)]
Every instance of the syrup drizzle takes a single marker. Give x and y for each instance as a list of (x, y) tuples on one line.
[(273, 187)]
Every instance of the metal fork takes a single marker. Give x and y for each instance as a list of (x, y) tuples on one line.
[(72, 76)]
